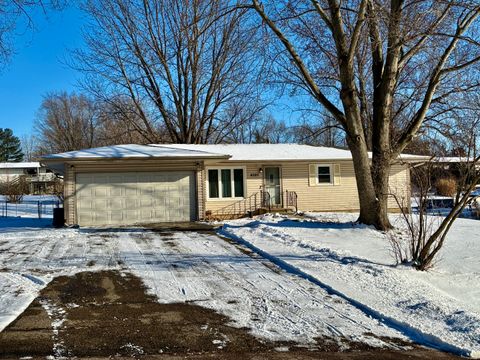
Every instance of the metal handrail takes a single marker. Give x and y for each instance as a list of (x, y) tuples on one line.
[(240, 207), (255, 202), (291, 199)]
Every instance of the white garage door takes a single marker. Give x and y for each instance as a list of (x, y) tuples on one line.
[(132, 198)]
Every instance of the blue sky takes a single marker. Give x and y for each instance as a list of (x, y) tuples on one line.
[(38, 67)]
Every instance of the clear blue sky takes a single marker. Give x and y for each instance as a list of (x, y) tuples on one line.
[(38, 66)]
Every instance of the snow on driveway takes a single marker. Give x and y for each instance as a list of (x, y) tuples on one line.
[(181, 267), (439, 308)]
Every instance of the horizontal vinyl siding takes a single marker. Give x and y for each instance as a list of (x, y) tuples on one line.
[(69, 195), (325, 197), (342, 197), (295, 177), (399, 185), (200, 181)]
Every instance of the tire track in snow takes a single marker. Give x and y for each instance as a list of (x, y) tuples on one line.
[(292, 314), (150, 268), (334, 330), (232, 283)]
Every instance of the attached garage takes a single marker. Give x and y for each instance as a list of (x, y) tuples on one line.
[(119, 198), (138, 184)]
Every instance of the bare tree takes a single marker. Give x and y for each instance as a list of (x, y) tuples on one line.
[(261, 128), (182, 64), (271, 131), (380, 68), (29, 147), (426, 233), (119, 123), (15, 13), (323, 132), (66, 122), (15, 189)]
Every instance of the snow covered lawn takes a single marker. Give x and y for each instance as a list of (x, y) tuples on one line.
[(29, 207), (182, 267), (439, 308)]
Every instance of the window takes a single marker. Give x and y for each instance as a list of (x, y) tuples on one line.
[(238, 182), (213, 183), (324, 175), (225, 183)]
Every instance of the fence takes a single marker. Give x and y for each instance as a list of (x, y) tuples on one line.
[(29, 208)]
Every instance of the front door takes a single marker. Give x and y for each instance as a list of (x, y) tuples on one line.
[(272, 185)]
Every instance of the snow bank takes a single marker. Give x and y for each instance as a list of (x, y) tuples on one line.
[(440, 308)]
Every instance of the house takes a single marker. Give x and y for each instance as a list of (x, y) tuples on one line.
[(36, 175), (130, 184)]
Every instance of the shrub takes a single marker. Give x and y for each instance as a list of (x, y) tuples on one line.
[(446, 186), (57, 189), (14, 190)]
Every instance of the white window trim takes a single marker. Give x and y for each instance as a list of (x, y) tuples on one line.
[(332, 175), (231, 168)]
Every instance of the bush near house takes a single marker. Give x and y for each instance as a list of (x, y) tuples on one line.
[(446, 186)]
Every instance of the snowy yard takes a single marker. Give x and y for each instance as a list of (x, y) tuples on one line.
[(182, 267), (440, 307), (31, 206), (338, 279)]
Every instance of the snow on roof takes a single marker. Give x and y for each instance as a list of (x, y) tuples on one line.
[(235, 152), (273, 152), (130, 151), (453, 159), (264, 152), (19, 165)]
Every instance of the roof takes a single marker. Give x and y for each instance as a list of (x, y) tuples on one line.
[(130, 151), (265, 152), (453, 159), (19, 165), (233, 152), (274, 152)]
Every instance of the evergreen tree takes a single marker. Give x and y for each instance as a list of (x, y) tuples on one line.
[(10, 147)]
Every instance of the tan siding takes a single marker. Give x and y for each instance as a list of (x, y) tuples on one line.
[(69, 193), (323, 197), (399, 185), (201, 193), (295, 177), (134, 166)]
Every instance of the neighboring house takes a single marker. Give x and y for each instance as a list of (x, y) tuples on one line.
[(130, 184), (37, 175)]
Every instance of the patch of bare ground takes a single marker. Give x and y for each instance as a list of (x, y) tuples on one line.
[(109, 314)]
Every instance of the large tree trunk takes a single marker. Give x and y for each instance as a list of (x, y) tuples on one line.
[(373, 209), (380, 177)]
